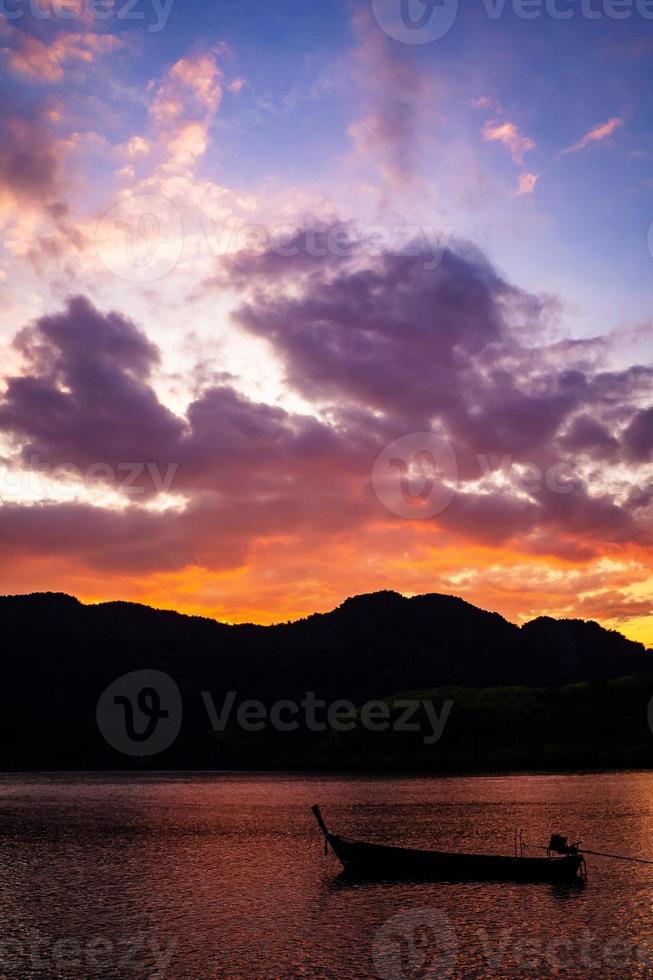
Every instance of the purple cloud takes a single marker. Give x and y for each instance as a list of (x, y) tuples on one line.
[(88, 397), (638, 437), (382, 347)]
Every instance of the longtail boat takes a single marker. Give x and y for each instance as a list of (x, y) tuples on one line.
[(563, 863)]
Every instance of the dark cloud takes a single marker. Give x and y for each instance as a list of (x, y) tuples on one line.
[(29, 159), (638, 437), (418, 345), (586, 435), (390, 336), (382, 346), (133, 540), (456, 346), (87, 397)]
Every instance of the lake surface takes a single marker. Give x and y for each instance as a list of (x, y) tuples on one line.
[(199, 876)]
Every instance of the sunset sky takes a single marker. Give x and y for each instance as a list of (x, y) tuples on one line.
[(262, 262)]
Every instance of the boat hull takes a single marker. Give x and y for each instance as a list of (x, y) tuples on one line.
[(365, 860)]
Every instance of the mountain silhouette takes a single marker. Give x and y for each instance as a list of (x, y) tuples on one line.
[(61, 654)]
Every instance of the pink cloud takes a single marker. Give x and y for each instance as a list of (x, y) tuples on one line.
[(182, 108), (596, 135), (192, 88), (47, 60), (189, 143), (137, 146), (486, 102), (399, 101), (526, 184), (508, 134)]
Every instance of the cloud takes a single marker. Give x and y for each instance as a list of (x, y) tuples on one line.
[(189, 143), (638, 437), (105, 539), (86, 397), (30, 157), (391, 336), (596, 135), (586, 435), (508, 134), (183, 105), (379, 346), (613, 605), (137, 146), (397, 96), (47, 61), (191, 89), (526, 184), (486, 102), (417, 349)]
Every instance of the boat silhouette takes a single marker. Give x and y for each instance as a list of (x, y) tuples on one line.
[(563, 864)]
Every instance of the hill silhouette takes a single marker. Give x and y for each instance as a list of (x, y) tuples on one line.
[(61, 654)]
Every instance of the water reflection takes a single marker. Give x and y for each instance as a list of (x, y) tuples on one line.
[(225, 876)]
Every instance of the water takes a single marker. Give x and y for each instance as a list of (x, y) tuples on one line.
[(182, 876)]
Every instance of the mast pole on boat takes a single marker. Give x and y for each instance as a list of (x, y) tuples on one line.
[(323, 827)]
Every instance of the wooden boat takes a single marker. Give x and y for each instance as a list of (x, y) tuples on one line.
[(365, 860)]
